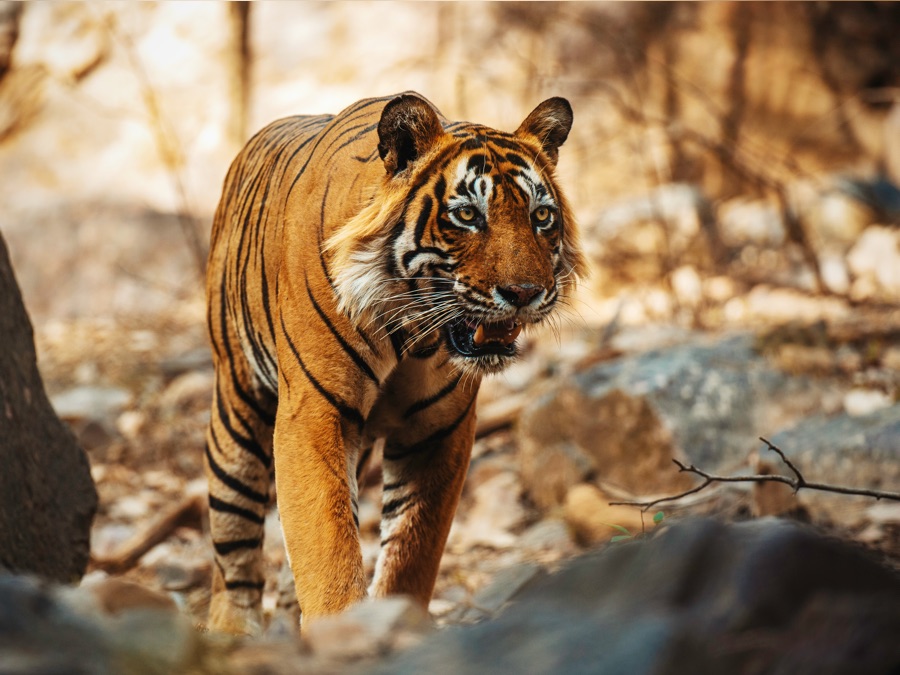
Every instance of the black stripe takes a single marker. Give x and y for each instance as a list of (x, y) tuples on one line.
[(393, 486), (229, 480), (422, 220), (430, 441), (356, 137), (253, 585), (431, 400), (336, 123), (267, 418), (217, 504), (365, 160), (514, 158), (247, 443), (267, 309), (321, 234), (362, 460), (351, 352), (506, 144), (397, 506), (348, 412), (243, 257), (409, 255), (226, 547), (397, 336), (427, 351)]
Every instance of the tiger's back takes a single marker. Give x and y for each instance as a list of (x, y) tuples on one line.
[(365, 270), (282, 165)]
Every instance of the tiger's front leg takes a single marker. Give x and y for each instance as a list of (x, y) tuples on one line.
[(316, 486), (425, 465)]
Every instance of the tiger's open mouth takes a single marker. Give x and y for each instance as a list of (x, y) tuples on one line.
[(469, 338)]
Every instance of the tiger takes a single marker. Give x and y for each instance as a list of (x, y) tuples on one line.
[(365, 271)]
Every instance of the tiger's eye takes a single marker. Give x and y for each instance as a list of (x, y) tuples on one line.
[(542, 214), (466, 213)]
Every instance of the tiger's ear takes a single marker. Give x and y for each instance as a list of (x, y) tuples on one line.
[(549, 123), (409, 127)]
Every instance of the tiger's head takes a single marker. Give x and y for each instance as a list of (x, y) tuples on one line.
[(467, 239)]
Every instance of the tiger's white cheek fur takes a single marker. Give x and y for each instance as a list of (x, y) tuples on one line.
[(361, 285)]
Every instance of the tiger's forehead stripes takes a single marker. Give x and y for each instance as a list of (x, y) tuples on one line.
[(491, 173)]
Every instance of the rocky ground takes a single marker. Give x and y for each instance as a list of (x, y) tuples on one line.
[(590, 417)]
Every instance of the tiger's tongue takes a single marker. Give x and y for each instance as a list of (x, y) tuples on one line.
[(505, 333)]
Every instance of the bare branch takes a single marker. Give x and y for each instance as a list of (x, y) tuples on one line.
[(796, 483), (784, 459), (188, 512)]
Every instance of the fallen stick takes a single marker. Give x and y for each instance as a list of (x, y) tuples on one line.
[(188, 512)]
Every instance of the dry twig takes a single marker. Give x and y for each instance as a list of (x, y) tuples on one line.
[(189, 512), (797, 482)]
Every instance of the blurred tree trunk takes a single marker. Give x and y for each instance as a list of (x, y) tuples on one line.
[(239, 16), (47, 495), (9, 32)]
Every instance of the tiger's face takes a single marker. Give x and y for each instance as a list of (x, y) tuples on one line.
[(482, 242), (485, 256)]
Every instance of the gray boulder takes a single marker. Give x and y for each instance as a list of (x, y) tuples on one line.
[(856, 451), (623, 421), (764, 596)]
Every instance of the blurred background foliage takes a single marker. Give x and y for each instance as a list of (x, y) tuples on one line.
[(118, 121)]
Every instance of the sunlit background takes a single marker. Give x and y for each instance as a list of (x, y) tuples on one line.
[(118, 122)]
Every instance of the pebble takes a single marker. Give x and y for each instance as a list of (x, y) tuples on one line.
[(90, 402), (371, 627)]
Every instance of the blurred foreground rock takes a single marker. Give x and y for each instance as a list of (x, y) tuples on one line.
[(764, 596), (47, 495), (108, 627)]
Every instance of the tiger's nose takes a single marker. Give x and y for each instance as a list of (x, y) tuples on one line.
[(519, 295)]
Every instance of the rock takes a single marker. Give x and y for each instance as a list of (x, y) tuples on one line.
[(368, 628), (47, 495), (632, 238), (188, 392), (502, 589), (860, 401), (31, 619), (875, 264), (262, 657), (853, 451), (107, 626), (623, 421), (593, 520), (773, 498), (835, 274), (550, 467), (567, 436), (885, 513), (496, 510), (113, 595), (198, 358), (550, 536), (687, 286), (90, 402), (701, 597), (743, 221)]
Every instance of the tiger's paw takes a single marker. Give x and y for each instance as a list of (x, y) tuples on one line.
[(226, 617)]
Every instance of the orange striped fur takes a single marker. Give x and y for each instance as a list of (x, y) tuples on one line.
[(366, 270)]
